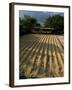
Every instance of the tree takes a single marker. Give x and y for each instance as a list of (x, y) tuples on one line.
[(56, 22), (26, 23)]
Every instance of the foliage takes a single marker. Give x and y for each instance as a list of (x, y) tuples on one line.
[(56, 22), (26, 23)]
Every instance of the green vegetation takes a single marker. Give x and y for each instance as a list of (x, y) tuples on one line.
[(56, 22), (28, 22)]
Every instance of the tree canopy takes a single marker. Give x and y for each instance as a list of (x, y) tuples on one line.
[(26, 23), (56, 22)]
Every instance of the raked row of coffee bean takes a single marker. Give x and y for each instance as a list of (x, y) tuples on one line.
[(41, 56)]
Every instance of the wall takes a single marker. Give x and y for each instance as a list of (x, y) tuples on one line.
[(4, 44)]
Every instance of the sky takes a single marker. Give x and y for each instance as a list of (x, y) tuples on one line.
[(39, 15)]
